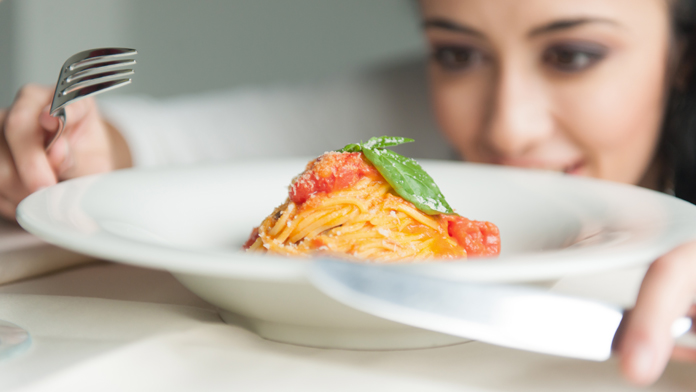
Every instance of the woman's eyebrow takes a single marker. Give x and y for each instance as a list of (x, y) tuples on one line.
[(445, 24), (566, 24), (559, 25)]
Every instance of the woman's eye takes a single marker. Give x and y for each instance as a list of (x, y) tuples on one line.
[(572, 59), (457, 58)]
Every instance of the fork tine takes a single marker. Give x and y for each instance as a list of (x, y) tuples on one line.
[(69, 77), (87, 91), (89, 57), (90, 72), (88, 80)]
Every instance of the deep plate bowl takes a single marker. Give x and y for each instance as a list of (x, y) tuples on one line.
[(193, 220)]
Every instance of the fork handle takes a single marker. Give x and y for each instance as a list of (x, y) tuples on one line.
[(60, 114)]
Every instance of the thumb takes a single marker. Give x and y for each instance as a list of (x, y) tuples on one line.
[(48, 122), (59, 155), (665, 295), (77, 111), (74, 114)]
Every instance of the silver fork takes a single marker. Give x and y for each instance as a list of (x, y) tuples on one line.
[(89, 73)]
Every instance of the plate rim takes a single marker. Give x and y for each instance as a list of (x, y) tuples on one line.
[(280, 268)]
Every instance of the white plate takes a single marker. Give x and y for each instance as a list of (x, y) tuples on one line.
[(192, 221)]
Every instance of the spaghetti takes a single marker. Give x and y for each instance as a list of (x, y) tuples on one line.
[(341, 205)]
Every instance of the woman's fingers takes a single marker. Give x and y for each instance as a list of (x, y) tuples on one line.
[(7, 209), (11, 188), (684, 354), (666, 294), (25, 137), (687, 354), (12, 191), (87, 145)]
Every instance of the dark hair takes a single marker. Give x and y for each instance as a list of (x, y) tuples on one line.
[(677, 148)]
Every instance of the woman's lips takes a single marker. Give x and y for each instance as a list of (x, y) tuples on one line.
[(574, 168)]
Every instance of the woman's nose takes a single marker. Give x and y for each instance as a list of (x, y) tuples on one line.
[(520, 117)]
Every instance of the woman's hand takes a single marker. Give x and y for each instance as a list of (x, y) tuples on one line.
[(89, 145), (667, 293)]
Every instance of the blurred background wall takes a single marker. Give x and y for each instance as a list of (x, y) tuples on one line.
[(189, 46)]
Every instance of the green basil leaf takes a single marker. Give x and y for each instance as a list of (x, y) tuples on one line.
[(409, 180), (386, 141), (351, 148)]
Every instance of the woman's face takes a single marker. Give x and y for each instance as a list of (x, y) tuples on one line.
[(567, 85)]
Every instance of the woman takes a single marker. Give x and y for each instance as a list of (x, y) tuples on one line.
[(599, 88)]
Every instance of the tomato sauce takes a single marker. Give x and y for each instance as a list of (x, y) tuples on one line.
[(335, 171), (330, 172), (252, 238), (478, 238)]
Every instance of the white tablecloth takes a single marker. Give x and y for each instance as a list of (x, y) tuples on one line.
[(109, 327)]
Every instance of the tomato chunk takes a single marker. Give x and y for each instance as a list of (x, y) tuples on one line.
[(330, 172), (478, 238), (252, 238)]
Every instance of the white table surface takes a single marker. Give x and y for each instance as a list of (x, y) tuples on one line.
[(109, 327)]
